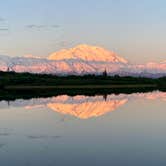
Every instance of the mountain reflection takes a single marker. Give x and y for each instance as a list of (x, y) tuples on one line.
[(83, 107), (87, 108)]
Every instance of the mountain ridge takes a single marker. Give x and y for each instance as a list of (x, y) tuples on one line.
[(87, 53), (81, 60)]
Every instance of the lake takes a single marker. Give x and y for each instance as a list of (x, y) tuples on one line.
[(118, 130)]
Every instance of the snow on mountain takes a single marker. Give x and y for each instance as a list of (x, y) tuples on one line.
[(82, 59), (87, 53)]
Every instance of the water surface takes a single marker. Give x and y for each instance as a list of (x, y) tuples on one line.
[(84, 130)]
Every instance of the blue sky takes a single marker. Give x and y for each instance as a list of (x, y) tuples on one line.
[(134, 29)]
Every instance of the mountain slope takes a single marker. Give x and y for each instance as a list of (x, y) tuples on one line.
[(82, 59), (87, 53)]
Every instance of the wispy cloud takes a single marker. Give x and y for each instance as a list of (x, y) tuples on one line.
[(4, 26), (41, 26), (43, 137), (4, 29), (2, 19), (33, 26), (55, 26)]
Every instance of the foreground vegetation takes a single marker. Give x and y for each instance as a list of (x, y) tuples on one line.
[(27, 79), (25, 85), (14, 94)]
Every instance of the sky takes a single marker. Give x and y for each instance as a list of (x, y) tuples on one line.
[(133, 29)]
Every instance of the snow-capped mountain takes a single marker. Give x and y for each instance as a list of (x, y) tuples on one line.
[(87, 53), (82, 59)]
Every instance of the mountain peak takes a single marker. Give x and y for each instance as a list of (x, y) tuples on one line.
[(87, 53)]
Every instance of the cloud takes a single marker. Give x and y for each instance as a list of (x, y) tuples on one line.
[(4, 26), (2, 19), (4, 134), (2, 145), (55, 26), (41, 26), (4, 29), (42, 137), (33, 26)]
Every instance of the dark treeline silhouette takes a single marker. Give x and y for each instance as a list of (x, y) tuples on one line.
[(44, 93), (17, 80), (25, 79)]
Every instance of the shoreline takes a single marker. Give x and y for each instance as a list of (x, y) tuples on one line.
[(27, 92), (28, 87)]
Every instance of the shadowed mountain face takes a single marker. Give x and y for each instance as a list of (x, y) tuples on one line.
[(82, 59), (83, 107)]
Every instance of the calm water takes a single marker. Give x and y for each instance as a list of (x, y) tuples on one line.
[(118, 130)]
